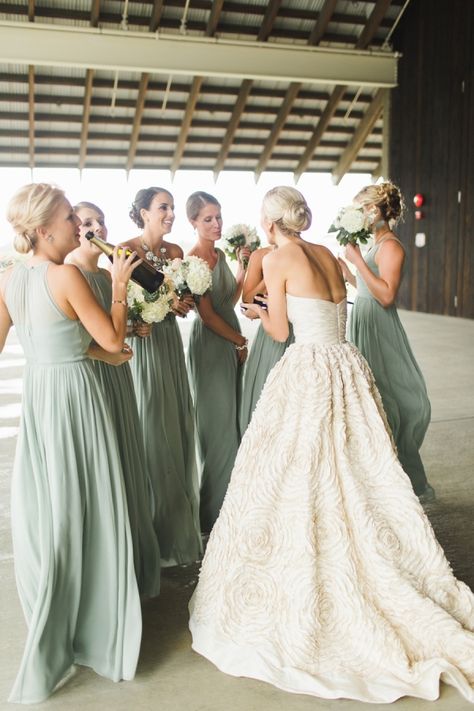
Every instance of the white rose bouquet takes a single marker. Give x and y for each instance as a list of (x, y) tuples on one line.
[(352, 225), (191, 275), (150, 308), (239, 236)]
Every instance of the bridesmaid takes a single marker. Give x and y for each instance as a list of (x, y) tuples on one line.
[(265, 352), (164, 399), (216, 350), (117, 385), (376, 330), (71, 536)]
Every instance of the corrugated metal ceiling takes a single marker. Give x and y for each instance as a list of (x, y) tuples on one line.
[(51, 102)]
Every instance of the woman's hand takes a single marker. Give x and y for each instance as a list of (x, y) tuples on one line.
[(248, 312), (242, 355), (140, 329), (120, 358), (183, 305), (251, 311), (353, 254), (346, 272), (97, 353), (123, 266), (243, 256)]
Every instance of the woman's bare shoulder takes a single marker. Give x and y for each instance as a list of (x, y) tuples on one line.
[(133, 243), (173, 250)]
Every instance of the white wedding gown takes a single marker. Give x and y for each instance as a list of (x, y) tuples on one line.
[(322, 574)]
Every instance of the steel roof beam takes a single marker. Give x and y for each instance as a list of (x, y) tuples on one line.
[(51, 45)]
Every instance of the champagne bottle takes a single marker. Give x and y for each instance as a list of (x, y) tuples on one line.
[(144, 275)]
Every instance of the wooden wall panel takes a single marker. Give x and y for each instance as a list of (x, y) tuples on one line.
[(431, 135)]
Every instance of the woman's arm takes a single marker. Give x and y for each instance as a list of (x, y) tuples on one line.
[(389, 259), (95, 352), (243, 253), (275, 319), (346, 272), (216, 323), (254, 283), (74, 295), (5, 321)]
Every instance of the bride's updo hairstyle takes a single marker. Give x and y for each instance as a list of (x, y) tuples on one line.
[(31, 207), (287, 208), (197, 201), (143, 200), (387, 197)]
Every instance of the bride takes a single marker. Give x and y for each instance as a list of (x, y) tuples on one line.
[(322, 574)]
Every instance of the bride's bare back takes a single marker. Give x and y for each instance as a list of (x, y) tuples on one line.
[(309, 270)]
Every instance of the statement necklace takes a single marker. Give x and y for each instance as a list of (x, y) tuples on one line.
[(153, 258)]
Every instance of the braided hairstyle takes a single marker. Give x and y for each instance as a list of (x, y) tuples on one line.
[(387, 197)]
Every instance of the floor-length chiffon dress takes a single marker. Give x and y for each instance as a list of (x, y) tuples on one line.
[(216, 380), (71, 535), (379, 335), (167, 420), (117, 386)]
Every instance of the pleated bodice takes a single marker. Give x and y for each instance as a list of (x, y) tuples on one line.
[(46, 334)]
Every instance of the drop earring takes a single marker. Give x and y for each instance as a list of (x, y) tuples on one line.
[(50, 238)]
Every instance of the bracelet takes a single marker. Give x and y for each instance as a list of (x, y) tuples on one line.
[(119, 301), (243, 346)]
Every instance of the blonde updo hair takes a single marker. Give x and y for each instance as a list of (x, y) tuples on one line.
[(387, 197), (31, 207), (287, 208)]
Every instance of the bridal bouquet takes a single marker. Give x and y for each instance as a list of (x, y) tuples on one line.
[(352, 225), (191, 275), (239, 236), (150, 308)]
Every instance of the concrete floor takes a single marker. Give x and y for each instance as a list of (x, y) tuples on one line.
[(170, 676)]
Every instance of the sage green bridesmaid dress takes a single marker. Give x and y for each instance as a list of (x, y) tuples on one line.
[(215, 378), (264, 354), (379, 335), (71, 535), (166, 414), (117, 385)]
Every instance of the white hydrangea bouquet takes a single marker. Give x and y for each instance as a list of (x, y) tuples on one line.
[(191, 275), (239, 236), (352, 226), (150, 308)]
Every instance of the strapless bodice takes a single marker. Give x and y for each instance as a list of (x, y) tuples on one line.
[(316, 321)]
